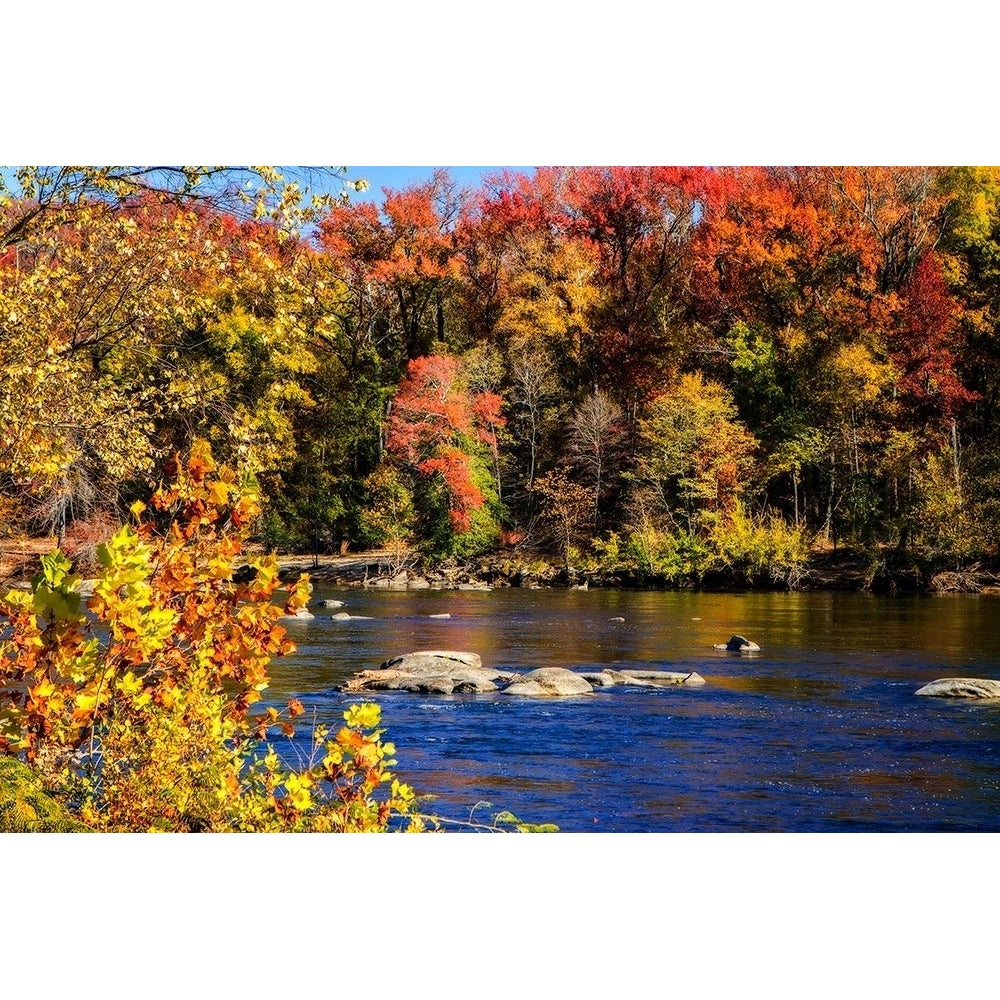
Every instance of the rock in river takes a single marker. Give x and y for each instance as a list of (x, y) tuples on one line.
[(460, 680), (643, 678), (432, 661), (549, 682), (444, 671), (962, 687), (737, 644), (436, 671)]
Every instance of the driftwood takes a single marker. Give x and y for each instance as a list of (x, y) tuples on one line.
[(973, 580)]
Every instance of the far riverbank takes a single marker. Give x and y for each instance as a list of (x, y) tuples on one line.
[(884, 571), (887, 571)]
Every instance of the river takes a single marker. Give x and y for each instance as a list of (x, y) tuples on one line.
[(819, 732)]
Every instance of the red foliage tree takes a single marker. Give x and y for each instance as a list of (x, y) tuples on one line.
[(436, 425), (639, 220), (923, 346)]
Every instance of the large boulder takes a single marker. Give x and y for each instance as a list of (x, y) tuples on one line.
[(737, 644), (430, 671), (961, 687), (431, 661), (549, 682)]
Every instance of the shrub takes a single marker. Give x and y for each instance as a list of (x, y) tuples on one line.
[(756, 547), (762, 546), (140, 716)]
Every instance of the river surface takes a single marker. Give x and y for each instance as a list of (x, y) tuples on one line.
[(819, 732)]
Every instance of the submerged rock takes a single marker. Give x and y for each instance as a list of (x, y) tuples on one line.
[(330, 604), (961, 687), (737, 644), (644, 678), (549, 682), (605, 679), (461, 680)]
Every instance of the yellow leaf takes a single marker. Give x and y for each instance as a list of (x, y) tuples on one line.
[(218, 493), (364, 716), (43, 689), (85, 702), (129, 685), (299, 795)]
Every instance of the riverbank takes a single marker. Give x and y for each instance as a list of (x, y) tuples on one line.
[(845, 569), (885, 570)]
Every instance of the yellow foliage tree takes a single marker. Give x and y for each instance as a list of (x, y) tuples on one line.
[(142, 719)]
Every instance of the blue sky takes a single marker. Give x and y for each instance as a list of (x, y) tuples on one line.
[(378, 177), (401, 177)]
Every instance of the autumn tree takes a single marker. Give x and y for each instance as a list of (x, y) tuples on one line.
[(400, 261), (137, 314), (535, 403), (806, 275), (638, 221), (438, 430), (695, 450), (565, 510)]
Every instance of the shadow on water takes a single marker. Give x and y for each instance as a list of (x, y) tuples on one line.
[(822, 731)]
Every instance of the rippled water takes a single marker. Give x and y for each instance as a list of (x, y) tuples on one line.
[(820, 732)]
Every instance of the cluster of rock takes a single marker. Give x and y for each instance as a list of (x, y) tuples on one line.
[(448, 672), (438, 671)]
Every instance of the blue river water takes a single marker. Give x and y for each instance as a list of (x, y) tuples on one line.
[(819, 732)]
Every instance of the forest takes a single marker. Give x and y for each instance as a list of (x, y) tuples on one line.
[(657, 372)]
